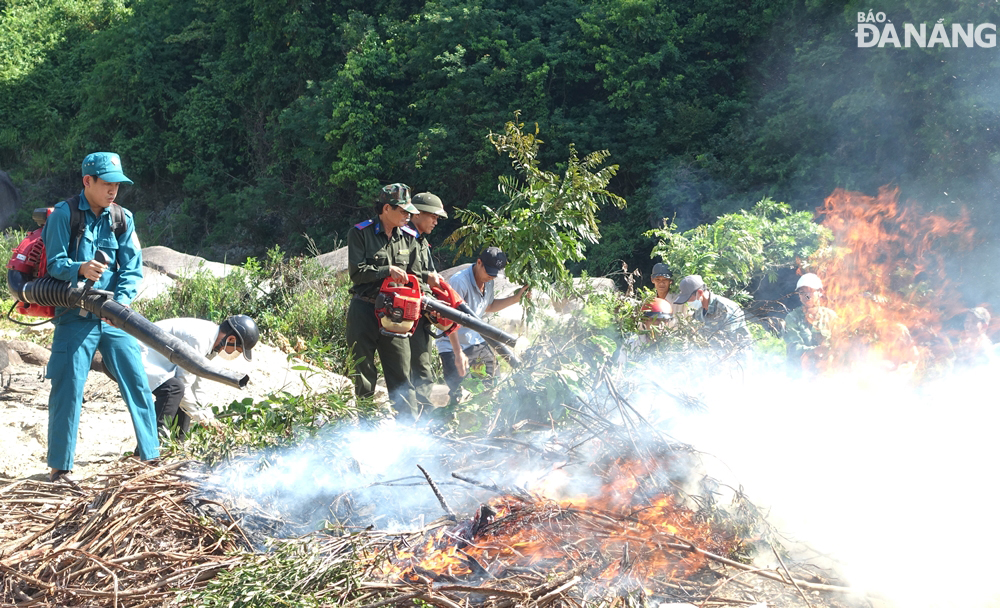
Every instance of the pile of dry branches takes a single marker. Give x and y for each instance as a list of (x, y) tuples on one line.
[(518, 551), (139, 536), (126, 542)]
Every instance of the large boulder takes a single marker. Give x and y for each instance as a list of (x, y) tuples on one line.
[(175, 264), (154, 283), (335, 260)]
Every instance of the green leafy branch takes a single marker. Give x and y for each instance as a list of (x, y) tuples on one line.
[(549, 219)]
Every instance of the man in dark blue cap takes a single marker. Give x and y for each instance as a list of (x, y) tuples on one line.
[(465, 346), (70, 257)]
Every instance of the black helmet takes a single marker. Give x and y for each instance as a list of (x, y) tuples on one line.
[(245, 330)]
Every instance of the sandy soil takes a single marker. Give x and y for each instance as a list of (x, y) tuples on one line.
[(106, 432)]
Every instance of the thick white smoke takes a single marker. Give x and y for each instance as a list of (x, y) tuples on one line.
[(892, 480)]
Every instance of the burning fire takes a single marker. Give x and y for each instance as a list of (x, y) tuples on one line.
[(622, 534), (887, 279)]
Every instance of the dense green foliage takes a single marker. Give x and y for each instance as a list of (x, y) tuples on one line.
[(738, 250), (248, 123), (290, 298)]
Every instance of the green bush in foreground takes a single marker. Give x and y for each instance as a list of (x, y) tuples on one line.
[(282, 419), (293, 573)]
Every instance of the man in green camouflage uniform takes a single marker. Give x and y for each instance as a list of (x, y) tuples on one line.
[(808, 328), (376, 249), (421, 362)]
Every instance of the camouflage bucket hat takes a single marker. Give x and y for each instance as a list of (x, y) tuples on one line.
[(397, 195)]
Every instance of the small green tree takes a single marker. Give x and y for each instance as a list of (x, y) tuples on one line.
[(549, 220), (740, 248)]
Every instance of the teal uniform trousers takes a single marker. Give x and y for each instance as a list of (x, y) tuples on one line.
[(73, 346)]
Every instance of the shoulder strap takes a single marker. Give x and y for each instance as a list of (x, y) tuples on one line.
[(117, 219), (76, 219), (76, 225)]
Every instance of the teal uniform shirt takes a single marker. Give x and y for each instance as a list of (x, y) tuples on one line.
[(65, 258), (77, 336)]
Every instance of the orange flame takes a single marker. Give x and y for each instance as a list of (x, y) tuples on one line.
[(631, 538), (887, 279)]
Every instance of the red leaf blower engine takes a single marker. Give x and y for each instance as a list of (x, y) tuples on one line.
[(29, 258), (400, 307)]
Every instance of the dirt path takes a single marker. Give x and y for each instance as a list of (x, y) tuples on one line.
[(106, 432)]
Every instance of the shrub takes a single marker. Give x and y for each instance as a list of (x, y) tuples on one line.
[(741, 248), (291, 298)]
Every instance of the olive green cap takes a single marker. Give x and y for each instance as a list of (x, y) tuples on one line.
[(429, 203)]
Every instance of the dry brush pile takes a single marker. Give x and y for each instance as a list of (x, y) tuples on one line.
[(142, 536)]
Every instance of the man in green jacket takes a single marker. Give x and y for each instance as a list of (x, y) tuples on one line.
[(808, 328), (421, 369), (376, 249)]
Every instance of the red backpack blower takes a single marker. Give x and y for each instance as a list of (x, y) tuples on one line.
[(29, 258), (398, 308)]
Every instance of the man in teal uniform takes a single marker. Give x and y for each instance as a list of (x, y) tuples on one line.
[(376, 249), (78, 333), (421, 362)]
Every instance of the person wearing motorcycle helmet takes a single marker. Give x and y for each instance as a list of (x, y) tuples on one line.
[(656, 313), (379, 248), (237, 334), (179, 396)]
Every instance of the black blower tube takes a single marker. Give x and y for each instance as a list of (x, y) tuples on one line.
[(504, 350), (464, 316), (470, 321), (48, 291)]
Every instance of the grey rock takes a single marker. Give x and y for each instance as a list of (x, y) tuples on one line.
[(28, 352), (153, 284), (335, 260), (176, 265)]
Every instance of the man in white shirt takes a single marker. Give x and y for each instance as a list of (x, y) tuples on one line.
[(177, 393), (466, 347)]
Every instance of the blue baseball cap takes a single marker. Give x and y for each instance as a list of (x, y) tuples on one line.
[(493, 260), (105, 165)]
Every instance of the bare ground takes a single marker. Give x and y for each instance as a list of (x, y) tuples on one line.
[(106, 431)]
